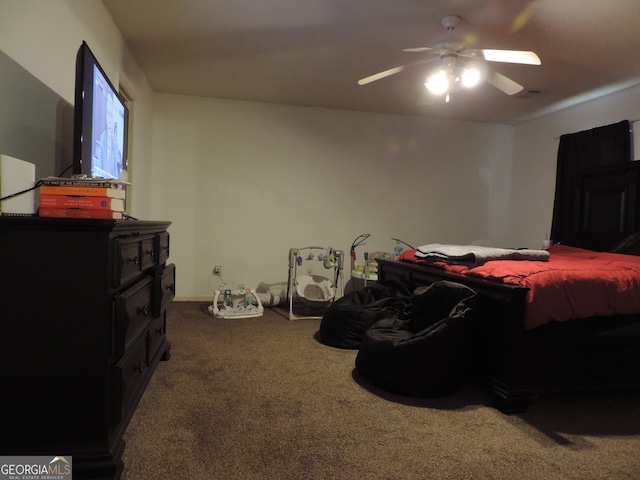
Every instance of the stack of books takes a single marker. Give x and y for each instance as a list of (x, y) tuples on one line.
[(81, 198)]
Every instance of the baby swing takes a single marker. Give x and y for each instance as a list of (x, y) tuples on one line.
[(311, 292)]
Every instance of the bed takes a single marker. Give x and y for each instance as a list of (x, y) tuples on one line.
[(585, 337)]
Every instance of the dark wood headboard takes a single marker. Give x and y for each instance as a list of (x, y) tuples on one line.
[(605, 207)]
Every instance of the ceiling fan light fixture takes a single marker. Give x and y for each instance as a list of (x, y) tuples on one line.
[(470, 77), (437, 82), (462, 65)]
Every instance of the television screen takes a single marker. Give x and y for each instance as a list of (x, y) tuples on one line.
[(100, 123)]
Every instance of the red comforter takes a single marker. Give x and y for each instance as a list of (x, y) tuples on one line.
[(574, 283)]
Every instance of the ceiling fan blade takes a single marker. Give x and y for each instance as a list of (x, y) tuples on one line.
[(391, 71), (380, 75), (503, 83), (511, 56), (417, 49)]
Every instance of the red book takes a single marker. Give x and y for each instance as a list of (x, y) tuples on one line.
[(84, 202), (78, 213)]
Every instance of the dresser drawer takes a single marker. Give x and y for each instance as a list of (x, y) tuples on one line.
[(148, 252), (162, 246), (129, 378), (166, 287), (128, 260), (133, 312), (157, 331)]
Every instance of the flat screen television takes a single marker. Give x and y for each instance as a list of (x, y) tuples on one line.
[(100, 122)]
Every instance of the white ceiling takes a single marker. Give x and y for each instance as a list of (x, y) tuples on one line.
[(313, 52)]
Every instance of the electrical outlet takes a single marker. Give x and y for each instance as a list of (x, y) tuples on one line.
[(217, 270)]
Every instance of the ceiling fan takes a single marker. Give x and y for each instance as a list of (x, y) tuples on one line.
[(461, 66)]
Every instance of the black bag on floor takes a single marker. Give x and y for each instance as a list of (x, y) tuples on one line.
[(426, 355), (349, 317)]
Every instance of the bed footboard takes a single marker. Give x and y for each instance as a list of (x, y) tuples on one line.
[(518, 365)]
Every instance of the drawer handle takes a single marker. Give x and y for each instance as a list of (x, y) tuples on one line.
[(159, 331), (170, 287), (133, 260), (145, 311), (149, 252), (141, 368)]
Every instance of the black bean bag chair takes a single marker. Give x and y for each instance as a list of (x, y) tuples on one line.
[(349, 317), (426, 355)]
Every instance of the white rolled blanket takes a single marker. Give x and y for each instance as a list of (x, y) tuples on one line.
[(474, 255)]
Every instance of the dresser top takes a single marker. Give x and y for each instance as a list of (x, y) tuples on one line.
[(10, 222)]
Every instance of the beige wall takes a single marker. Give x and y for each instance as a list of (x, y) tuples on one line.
[(249, 181)]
